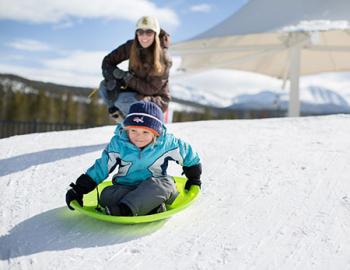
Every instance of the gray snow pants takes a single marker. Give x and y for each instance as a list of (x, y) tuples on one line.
[(141, 198)]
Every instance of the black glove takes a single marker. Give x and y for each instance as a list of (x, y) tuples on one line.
[(193, 175), (122, 75), (83, 185), (192, 182)]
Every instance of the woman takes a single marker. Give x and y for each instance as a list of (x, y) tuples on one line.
[(147, 77)]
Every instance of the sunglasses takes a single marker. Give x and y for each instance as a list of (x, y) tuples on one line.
[(147, 32)]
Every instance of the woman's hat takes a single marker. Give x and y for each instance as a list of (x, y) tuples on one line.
[(148, 22), (145, 114)]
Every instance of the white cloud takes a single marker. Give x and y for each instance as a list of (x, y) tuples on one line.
[(78, 62), (28, 45), (205, 8), (78, 68), (52, 75), (39, 11)]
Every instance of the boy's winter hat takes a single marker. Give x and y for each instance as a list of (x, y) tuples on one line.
[(148, 22), (145, 114)]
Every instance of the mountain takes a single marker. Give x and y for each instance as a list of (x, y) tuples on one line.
[(17, 83), (315, 100), (240, 90), (275, 195)]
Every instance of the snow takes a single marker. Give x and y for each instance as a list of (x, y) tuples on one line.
[(317, 25), (276, 195)]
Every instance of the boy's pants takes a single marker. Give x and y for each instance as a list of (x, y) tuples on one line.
[(141, 198)]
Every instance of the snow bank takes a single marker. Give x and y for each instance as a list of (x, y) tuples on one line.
[(276, 195)]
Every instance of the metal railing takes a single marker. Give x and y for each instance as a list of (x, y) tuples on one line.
[(10, 128)]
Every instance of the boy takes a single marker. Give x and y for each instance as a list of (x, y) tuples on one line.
[(141, 150)]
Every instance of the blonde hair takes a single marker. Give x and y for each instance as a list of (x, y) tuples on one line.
[(158, 60)]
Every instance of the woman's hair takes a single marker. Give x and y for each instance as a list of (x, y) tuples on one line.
[(158, 60)]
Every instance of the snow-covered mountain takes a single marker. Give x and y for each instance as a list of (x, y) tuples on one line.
[(319, 94), (314, 100), (275, 195)]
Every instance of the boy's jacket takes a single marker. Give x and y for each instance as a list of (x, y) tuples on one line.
[(135, 165)]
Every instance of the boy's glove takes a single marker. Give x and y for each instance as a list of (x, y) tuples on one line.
[(193, 175), (191, 182), (83, 185), (122, 75)]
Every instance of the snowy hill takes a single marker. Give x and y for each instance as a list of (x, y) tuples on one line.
[(276, 195)]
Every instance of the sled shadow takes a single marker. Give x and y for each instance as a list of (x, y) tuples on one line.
[(22, 162), (62, 229)]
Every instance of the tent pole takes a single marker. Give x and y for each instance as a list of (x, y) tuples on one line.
[(294, 76)]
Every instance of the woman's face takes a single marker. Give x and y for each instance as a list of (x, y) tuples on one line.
[(145, 37)]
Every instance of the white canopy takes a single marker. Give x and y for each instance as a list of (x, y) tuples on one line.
[(280, 38)]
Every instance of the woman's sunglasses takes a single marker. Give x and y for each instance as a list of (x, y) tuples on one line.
[(147, 32)]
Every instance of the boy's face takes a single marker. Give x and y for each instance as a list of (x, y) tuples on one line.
[(140, 136)]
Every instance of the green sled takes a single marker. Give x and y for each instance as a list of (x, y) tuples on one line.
[(183, 200)]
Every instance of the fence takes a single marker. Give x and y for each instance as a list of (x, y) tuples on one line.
[(10, 128)]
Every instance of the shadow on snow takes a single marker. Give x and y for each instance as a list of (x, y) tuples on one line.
[(62, 229), (22, 162)]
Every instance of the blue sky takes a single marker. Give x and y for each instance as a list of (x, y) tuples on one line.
[(64, 41)]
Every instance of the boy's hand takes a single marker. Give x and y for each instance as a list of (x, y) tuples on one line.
[(192, 182), (193, 174), (83, 185), (72, 195)]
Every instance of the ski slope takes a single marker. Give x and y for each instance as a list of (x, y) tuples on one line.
[(276, 195)]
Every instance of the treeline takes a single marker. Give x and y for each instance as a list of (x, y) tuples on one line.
[(20, 101), (44, 107), (222, 113)]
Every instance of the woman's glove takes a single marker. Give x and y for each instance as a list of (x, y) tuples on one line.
[(83, 185), (122, 75), (193, 175)]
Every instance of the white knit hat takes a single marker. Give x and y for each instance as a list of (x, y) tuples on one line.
[(148, 22)]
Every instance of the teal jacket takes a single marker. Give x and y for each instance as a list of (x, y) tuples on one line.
[(135, 165)]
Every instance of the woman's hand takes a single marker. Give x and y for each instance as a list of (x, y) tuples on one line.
[(121, 74)]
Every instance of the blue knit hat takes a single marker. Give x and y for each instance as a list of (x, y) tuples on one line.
[(145, 114)]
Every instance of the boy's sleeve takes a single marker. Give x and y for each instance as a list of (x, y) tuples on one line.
[(189, 155), (105, 164)]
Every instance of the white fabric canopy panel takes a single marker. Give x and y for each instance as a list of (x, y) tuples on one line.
[(283, 39)]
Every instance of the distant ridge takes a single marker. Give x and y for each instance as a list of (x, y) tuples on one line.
[(47, 86)]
